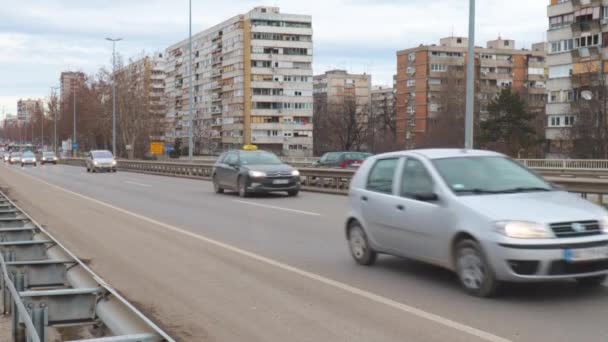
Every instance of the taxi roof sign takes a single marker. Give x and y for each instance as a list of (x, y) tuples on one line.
[(250, 147)]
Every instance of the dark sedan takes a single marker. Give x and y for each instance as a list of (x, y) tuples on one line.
[(251, 172)]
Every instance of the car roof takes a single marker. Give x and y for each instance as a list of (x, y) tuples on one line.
[(440, 153), (100, 151)]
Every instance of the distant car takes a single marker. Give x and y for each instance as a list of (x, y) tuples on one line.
[(342, 160), (478, 213), (100, 160), (14, 158), (254, 172), (48, 158), (28, 158)]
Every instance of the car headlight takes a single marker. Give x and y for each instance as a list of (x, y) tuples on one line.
[(114, 162), (295, 173), (95, 163), (257, 174), (604, 224), (523, 230)]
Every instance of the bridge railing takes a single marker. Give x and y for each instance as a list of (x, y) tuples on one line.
[(579, 180), (566, 164)]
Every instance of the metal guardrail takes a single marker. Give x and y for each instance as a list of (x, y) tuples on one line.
[(45, 286), (337, 181)]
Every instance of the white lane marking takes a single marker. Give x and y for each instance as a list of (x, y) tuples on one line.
[(484, 335), (138, 184), (278, 208)]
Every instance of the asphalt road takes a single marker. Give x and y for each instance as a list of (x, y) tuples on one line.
[(276, 268)]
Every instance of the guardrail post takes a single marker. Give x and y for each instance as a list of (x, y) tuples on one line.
[(40, 318)]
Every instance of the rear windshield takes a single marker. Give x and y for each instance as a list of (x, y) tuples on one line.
[(102, 154)]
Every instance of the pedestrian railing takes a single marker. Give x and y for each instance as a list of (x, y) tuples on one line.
[(566, 164), (45, 286)]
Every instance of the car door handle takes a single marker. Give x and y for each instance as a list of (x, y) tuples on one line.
[(400, 207), (364, 198)]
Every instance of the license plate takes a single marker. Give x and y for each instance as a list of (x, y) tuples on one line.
[(586, 254), (280, 181)]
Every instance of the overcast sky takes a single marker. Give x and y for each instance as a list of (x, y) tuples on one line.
[(41, 38)]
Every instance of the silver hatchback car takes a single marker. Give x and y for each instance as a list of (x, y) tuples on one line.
[(478, 213)]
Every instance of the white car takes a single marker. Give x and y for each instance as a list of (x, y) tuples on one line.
[(28, 158), (478, 213)]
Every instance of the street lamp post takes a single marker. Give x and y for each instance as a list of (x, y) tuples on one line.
[(74, 142), (114, 40), (53, 89), (191, 117), (470, 102)]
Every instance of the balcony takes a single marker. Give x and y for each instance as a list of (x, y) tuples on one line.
[(585, 26)]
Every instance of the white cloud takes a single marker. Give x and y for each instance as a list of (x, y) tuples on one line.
[(40, 38)]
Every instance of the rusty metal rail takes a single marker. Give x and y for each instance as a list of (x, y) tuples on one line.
[(46, 287)]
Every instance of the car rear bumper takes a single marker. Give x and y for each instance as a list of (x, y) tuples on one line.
[(544, 262)]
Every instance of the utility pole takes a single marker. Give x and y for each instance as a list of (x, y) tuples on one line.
[(114, 40), (470, 103), (74, 142), (190, 102), (42, 129)]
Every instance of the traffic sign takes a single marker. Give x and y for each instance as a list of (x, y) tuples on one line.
[(156, 147), (168, 148), (75, 145)]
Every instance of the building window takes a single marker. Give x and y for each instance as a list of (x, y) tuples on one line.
[(411, 56), (553, 96), (438, 67), (411, 83)]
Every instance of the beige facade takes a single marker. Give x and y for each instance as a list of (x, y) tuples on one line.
[(252, 84), (68, 81), (150, 76), (26, 108)]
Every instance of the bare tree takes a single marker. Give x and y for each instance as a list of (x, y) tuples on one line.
[(589, 132), (343, 125)]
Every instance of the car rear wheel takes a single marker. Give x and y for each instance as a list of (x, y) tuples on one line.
[(242, 187), (591, 282), (216, 186), (359, 245), (475, 274)]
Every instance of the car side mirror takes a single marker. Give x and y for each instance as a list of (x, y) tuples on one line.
[(426, 196), (558, 187)]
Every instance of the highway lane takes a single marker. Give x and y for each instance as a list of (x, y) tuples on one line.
[(307, 233)]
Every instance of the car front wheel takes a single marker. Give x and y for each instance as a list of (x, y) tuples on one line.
[(293, 193), (216, 186), (475, 274), (242, 187), (359, 245)]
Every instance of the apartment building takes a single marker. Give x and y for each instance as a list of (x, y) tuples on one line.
[(68, 81), (252, 84), (431, 80), (27, 108), (149, 72), (337, 93), (382, 116), (577, 61)]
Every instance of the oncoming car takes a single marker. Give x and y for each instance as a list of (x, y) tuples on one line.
[(254, 172), (100, 160), (28, 158), (478, 213), (48, 157), (14, 158)]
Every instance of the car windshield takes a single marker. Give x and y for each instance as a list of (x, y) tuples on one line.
[(102, 154), (28, 155), (16, 155), (259, 158), (48, 154), (488, 175)]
